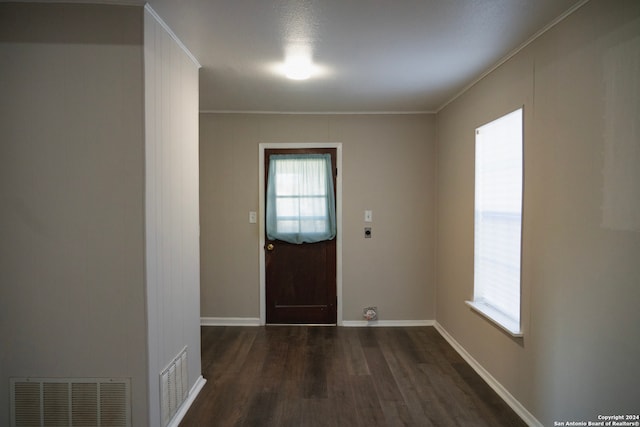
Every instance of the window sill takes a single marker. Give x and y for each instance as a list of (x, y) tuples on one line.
[(500, 320)]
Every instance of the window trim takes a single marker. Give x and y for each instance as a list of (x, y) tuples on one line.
[(509, 325), (497, 317)]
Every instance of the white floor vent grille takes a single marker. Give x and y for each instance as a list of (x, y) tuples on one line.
[(70, 402), (174, 386)]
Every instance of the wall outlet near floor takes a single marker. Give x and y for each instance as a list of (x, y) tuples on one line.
[(370, 313)]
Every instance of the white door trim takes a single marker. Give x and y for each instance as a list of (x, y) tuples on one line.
[(261, 214)]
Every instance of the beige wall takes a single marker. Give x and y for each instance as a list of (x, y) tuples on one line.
[(72, 299), (388, 167), (72, 285), (579, 84), (171, 205), (99, 255)]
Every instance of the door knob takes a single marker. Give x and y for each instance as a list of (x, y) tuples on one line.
[(270, 247)]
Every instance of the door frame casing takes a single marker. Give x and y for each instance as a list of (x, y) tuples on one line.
[(261, 219)]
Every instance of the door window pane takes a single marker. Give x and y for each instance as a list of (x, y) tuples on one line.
[(300, 198)]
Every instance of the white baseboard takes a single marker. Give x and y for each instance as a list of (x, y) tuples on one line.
[(387, 323), (193, 393), (254, 321), (518, 408), (229, 321)]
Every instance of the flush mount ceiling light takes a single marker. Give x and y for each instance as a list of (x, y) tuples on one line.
[(299, 24), (298, 67), (298, 64)]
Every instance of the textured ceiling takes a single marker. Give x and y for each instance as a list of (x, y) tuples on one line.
[(374, 55)]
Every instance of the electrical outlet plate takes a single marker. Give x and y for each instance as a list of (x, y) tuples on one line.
[(370, 313), (367, 232)]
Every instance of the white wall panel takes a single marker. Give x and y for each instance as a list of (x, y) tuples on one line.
[(171, 205)]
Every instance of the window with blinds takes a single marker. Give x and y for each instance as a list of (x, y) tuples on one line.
[(498, 221)]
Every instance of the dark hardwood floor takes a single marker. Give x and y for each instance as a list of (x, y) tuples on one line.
[(327, 376)]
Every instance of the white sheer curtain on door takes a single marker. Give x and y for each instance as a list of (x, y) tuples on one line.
[(300, 198)]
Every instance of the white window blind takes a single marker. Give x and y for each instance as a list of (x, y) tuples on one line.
[(498, 221)]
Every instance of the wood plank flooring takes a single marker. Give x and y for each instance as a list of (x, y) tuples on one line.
[(328, 376)]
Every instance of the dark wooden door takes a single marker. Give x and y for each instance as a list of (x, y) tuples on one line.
[(300, 278)]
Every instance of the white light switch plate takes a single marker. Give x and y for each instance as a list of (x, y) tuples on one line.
[(368, 216), (253, 217)]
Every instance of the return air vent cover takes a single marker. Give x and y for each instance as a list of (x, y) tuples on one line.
[(174, 385), (97, 402)]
